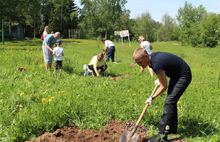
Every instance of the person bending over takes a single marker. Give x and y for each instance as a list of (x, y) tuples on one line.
[(171, 66)]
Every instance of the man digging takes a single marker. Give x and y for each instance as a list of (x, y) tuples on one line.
[(172, 66)]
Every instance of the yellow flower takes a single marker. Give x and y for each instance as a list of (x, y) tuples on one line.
[(44, 100), (21, 94), (50, 98), (47, 100)]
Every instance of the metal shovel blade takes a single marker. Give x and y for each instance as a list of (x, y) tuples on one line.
[(126, 137)]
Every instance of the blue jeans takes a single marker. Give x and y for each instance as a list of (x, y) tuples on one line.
[(111, 54)]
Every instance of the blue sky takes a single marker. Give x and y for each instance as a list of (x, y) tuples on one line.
[(157, 8)]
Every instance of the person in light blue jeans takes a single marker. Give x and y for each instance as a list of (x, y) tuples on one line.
[(47, 47)]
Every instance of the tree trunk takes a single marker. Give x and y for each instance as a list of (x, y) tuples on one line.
[(106, 35), (9, 31), (34, 30)]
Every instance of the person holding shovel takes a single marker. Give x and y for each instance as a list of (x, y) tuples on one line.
[(109, 50), (172, 66)]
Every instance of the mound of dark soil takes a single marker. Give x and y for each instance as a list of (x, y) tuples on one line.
[(111, 133)]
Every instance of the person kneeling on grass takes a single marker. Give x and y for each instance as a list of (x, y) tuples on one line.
[(58, 53), (96, 65)]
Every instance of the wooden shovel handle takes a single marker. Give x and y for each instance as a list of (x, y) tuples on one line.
[(146, 106)]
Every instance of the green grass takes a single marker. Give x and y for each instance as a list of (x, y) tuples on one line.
[(35, 101)]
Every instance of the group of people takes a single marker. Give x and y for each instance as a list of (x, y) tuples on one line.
[(49, 40), (98, 63), (96, 66), (161, 64)]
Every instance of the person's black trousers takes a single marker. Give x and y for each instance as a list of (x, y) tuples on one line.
[(101, 68), (169, 120), (58, 65)]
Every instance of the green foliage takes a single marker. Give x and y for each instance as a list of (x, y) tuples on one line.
[(63, 16), (211, 28), (144, 25), (11, 10), (168, 31), (197, 27), (35, 101), (102, 18)]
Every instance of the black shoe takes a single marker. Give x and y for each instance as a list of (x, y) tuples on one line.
[(155, 138), (164, 139), (158, 138)]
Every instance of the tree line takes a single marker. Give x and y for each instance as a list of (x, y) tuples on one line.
[(100, 18), (59, 15)]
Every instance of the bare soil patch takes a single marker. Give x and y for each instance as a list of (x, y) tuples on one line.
[(110, 133)]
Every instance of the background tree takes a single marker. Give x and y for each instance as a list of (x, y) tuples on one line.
[(63, 16), (102, 18), (144, 25), (11, 12), (189, 19), (167, 32), (45, 13), (211, 30), (32, 15)]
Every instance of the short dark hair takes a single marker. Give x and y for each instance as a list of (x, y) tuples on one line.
[(59, 41)]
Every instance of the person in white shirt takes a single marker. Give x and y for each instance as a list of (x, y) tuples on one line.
[(58, 53), (96, 65), (109, 49), (147, 46)]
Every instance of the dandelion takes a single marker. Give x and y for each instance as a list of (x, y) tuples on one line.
[(50, 98), (21, 94), (47, 100), (44, 100)]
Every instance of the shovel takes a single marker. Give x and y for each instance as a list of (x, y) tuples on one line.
[(130, 135)]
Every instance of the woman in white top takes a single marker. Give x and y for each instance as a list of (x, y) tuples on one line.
[(147, 46)]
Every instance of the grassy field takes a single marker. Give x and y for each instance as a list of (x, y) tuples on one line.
[(35, 101)]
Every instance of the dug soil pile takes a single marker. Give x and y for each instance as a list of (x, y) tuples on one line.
[(110, 133)]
